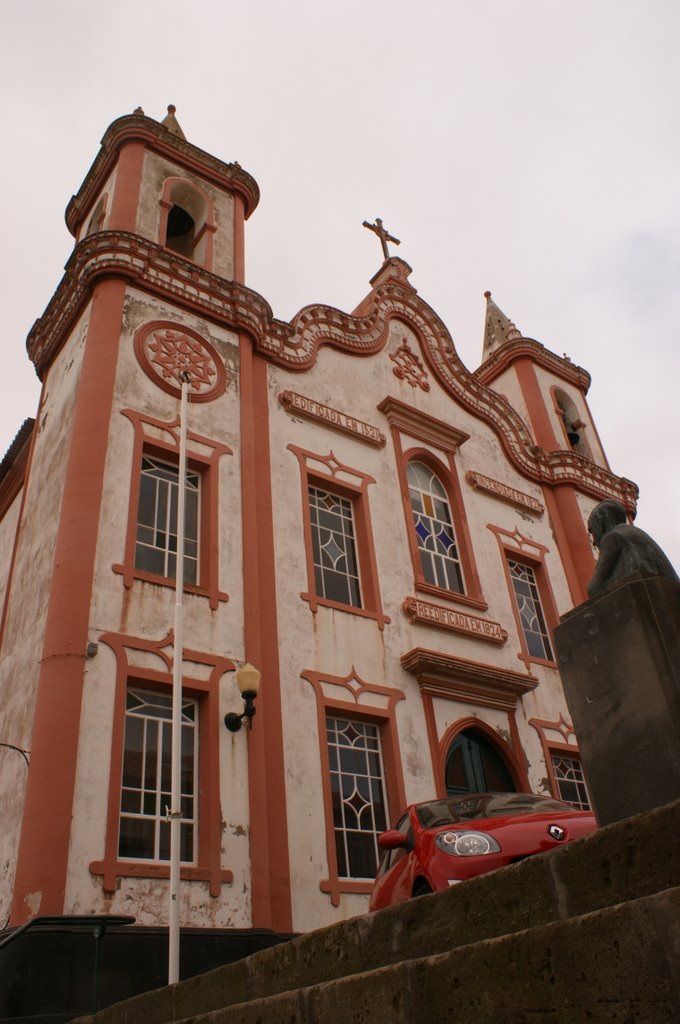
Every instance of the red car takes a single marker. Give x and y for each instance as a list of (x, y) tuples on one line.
[(436, 844)]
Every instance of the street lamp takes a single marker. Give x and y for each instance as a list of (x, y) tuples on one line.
[(248, 680)]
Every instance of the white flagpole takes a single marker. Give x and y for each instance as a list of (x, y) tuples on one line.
[(176, 797)]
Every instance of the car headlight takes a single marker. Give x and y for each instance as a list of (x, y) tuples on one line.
[(466, 844)]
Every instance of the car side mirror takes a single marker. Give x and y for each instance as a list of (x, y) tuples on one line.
[(392, 839)]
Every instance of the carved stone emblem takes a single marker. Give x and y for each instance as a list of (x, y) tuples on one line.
[(166, 350), (408, 367)]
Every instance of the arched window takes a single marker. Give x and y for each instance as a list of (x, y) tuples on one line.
[(433, 525), (187, 222), (474, 765), (181, 231), (574, 427), (96, 221)]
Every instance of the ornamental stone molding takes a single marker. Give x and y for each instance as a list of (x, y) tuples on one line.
[(295, 345), (408, 367), (164, 350), (454, 678), (516, 348)]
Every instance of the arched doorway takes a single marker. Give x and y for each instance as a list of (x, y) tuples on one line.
[(475, 765)]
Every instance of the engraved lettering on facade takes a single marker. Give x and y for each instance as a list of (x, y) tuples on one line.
[(514, 497), (307, 407), (459, 622)]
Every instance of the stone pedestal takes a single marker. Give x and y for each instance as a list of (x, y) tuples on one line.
[(619, 658)]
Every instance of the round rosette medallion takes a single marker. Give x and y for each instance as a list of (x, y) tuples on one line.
[(165, 350)]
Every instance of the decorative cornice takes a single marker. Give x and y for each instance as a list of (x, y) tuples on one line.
[(445, 675), (137, 128), (295, 345), (421, 426), (518, 348)]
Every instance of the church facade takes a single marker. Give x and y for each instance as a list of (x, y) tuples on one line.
[(387, 536)]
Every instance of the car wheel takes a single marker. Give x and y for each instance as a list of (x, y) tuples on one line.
[(422, 889)]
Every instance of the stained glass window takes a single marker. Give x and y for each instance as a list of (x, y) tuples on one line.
[(530, 610), (156, 540), (358, 794), (571, 784), (336, 569), (146, 783), (433, 525)]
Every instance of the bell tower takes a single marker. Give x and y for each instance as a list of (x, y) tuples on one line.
[(149, 181), (550, 392), (159, 231)]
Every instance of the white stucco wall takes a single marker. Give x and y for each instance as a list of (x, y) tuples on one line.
[(146, 611), (27, 609), (332, 641)]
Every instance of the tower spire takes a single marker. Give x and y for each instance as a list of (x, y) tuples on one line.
[(497, 328), (171, 123)]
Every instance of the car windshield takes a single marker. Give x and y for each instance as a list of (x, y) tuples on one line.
[(473, 806)]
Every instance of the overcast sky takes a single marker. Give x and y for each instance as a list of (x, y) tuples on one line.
[(529, 147)]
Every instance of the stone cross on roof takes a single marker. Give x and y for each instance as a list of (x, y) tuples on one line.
[(383, 234)]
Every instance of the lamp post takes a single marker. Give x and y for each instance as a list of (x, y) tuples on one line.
[(175, 813), (248, 682)]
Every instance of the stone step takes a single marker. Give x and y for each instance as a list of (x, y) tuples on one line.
[(616, 965), (629, 861)]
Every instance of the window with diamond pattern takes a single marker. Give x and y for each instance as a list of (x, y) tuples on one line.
[(358, 794), (336, 569), (530, 611), (433, 525)]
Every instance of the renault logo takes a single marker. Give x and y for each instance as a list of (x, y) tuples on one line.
[(556, 832)]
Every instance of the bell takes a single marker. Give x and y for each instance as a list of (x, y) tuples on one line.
[(573, 437)]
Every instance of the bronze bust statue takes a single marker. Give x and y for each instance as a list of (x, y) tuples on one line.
[(623, 548)]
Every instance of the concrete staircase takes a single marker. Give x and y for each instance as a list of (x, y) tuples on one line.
[(587, 933)]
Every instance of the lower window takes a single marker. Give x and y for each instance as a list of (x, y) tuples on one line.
[(358, 794), (144, 832), (570, 781)]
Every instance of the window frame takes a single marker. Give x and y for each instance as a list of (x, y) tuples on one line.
[(412, 431), (167, 550), (422, 583), (341, 833), (537, 605), (132, 657), (160, 440), (326, 472), (158, 793), (513, 546), (176, 191), (361, 704), (576, 757), (559, 738)]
